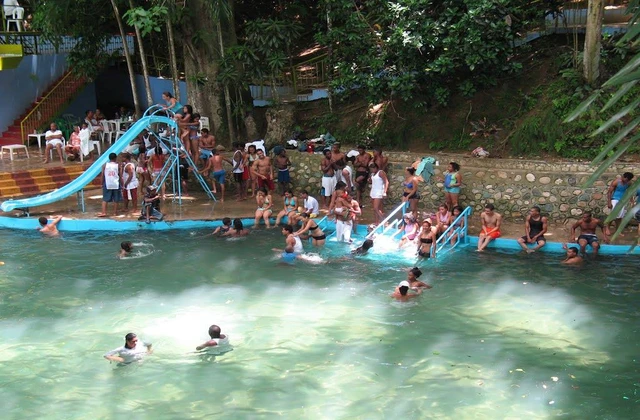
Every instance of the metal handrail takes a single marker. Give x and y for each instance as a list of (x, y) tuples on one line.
[(401, 207), (453, 229), (44, 110)]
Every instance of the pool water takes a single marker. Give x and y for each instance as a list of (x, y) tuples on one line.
[(500, 335)]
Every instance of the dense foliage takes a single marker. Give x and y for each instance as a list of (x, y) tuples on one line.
[(395, 49)]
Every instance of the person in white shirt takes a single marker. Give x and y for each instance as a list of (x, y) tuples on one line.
[(54, 140), (132, 350), (309, 204), (85, 138), (218, 340)]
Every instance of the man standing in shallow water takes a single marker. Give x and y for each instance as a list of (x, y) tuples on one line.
[(588, 225)]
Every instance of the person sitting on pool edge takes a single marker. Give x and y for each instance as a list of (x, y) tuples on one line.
[(217, 339), (151, 205), (402, 291), (572, 255), (125, 249), (412, 278), (132, 350), (49, 229)]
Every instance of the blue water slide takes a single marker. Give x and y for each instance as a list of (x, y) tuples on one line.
[(91, 172)]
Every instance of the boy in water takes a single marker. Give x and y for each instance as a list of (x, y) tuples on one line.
[(572, 255), (226, 225), (125, 249), (217, 339), (47, 228), (402, 292)]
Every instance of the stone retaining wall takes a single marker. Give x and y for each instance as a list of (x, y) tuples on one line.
[(512, 185)]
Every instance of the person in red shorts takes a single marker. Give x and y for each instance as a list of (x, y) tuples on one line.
[(263, 171), (490, 226)]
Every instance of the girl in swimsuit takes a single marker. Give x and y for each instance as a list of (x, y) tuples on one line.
[(318, 238), (184, 121), (453, 236), (452, 183), (289, 209), (427, 239), (237, 230), (410, 193), (443, 218), (410, 229), (172, 103), (263, 199), (194, 137), (252, 155)]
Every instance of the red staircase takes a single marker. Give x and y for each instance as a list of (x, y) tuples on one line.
[(41, 112)]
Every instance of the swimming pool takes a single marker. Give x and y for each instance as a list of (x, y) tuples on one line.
[(500, 335)]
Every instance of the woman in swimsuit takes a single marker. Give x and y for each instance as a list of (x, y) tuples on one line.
[(427, 239), (318, 238), (263, 199), (452, 183), (410, 229), (453, 236), (143, 170), (192, 145), (172, 103), (184, 121), (412, 278), (410, 193), (443, 219), (289, 209)]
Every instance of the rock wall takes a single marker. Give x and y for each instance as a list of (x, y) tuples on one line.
[(512, 185)]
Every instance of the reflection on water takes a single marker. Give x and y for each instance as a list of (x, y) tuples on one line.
[(501, 335)]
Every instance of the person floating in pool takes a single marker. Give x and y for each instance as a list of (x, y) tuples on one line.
[(572, 255), (402, 292), (490, 226), (132, 350), (588, 225), (237, 230), (217, 340), (222, 230), (363, 249), (49, 229), (125, 249), (412, 278)]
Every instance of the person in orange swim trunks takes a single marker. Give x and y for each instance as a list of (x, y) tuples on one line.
[(490, 226)]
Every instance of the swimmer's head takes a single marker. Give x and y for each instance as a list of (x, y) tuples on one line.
[(130, 340), (226, 221), (126, 246), (572, 251), (403, 287), (304, 215), (289, 249), (415, 273), (367, 244), (287, 229), (237, 224), (214, 331), (43, 221)]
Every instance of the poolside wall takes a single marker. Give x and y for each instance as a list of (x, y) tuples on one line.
[(512, 185)]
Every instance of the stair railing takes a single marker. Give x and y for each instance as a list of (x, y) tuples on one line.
[(455, 228), (46, 108), (381, 225)]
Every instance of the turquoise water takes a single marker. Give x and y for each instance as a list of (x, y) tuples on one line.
[(500, 335)]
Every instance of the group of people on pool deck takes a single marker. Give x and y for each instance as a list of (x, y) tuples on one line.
[(135, 349)]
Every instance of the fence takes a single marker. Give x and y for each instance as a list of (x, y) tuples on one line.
[(33, 43)]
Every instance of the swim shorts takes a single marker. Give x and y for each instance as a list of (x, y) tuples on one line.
[(590, 238), (493, 235), (218, 176)]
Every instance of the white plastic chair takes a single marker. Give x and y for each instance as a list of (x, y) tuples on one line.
[(93, 144), (107, 131), (64, 154), (16, 17)]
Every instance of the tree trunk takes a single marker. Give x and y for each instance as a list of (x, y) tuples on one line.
[(201, 65), (329, 68), (173, 61), (592, 41), (227, 95), (143, 60), (127, 56)]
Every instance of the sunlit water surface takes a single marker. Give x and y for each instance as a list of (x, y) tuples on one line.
[(500, 335)]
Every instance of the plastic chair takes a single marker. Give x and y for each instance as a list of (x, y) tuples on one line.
[(16, 17), (93, 144), (64, 154), (108, 130)]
